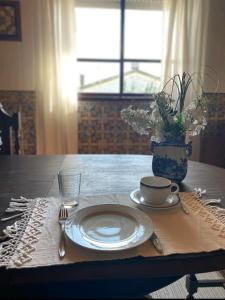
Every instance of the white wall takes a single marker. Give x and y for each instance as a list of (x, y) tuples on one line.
[(16, 58)]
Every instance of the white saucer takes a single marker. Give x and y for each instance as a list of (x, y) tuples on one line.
[(171, 201)]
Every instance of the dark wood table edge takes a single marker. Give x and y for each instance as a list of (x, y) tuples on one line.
[(173, 265)]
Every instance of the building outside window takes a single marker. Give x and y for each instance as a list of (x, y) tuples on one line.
[(119, 46)]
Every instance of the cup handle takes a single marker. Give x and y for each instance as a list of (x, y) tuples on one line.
[(173, 184)]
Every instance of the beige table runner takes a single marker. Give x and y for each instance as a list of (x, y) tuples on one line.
[(200, 231)]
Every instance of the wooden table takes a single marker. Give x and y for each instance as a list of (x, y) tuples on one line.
[(33, 176)]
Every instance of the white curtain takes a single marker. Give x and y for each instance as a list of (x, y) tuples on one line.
[(55, 76), (185, 36), (185, 39)]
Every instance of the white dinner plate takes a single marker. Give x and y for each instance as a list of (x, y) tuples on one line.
[(171, 201), (109, 227)]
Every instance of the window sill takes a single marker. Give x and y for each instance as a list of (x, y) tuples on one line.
[(114, 97)]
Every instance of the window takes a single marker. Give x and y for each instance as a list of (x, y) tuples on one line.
[(119, 46)]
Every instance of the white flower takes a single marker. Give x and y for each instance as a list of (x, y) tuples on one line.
[(139, 119), (167, 118)]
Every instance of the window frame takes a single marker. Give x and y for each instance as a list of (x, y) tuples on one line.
[(120, 95)]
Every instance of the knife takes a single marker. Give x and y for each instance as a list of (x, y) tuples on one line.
[(156, 242)]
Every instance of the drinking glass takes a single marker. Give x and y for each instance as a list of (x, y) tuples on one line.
[(69, 187)]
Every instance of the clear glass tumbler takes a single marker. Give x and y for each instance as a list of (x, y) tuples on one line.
[(69, 187)]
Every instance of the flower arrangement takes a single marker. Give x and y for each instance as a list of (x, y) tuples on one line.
[(169, 117)]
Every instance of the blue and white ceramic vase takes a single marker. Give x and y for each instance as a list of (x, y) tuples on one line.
[(170, 160)]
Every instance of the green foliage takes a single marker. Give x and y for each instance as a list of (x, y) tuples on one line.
[(169, 118), (175, 130)]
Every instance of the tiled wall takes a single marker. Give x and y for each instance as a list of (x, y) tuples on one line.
[(23, 102), (101, 129)]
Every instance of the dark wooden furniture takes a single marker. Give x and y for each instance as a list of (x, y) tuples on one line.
[(213, 150), (33, 176), (9, 132), (192, 284)]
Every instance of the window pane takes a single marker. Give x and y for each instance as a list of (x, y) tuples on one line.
[(98, 3), (98, 33), (98, 77), (143, 34), (142, 77), (143, 4)]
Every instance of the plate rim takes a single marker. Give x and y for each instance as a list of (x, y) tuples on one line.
[(149, 227), (151, 206)]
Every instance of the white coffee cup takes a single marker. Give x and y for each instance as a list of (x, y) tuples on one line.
[(155, 190)]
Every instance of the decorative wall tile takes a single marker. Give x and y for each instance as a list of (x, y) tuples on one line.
[(23, 102), (100, 127), (111, 134)]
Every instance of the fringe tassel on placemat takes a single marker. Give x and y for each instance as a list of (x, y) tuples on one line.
[(21, 236), (210, 201), (219, 212), (212, 207), (208, 209)]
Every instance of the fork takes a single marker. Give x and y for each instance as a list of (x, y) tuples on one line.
[(63, 215)]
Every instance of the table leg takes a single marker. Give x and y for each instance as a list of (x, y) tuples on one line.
[(191, 285)]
